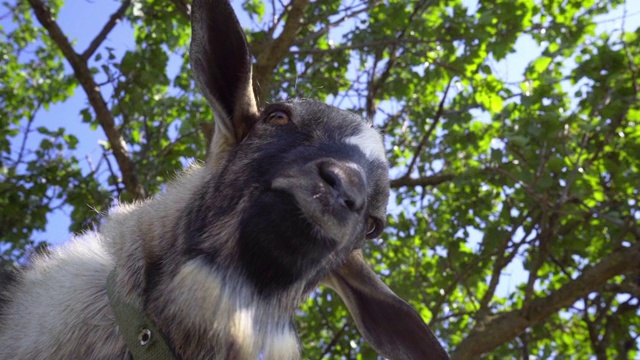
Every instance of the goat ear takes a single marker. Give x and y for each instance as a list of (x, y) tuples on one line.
[(221, 63), (387, 322)]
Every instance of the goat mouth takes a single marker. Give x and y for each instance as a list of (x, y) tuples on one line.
[(316, 206)]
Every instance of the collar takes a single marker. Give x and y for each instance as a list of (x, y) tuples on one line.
[(144, 340)]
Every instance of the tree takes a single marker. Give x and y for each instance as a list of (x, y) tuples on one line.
[(488, 174)]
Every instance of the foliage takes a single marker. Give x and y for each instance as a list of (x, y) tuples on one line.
[(489, 174)]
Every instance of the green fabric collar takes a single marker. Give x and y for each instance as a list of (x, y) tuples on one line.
[(144, 340)]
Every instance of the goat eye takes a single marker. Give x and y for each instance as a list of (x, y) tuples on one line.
[(374, 227), (278, 118)]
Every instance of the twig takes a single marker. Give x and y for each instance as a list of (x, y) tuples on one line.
[(27, 131), (324, 30), (113, 174), (334, 341), (376, 84), (427, 135), (278, 48), (113, 20)]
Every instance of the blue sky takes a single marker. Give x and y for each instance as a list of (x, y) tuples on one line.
[(82, 21)]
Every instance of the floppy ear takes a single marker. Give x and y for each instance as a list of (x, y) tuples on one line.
[(221, 63), (387, 322)]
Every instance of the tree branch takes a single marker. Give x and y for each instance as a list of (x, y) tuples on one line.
[(437, 179), (333, 24), (113, 20), (376, 84), (334, 340), (500, 328), (277, 49), (370, 45), (432, 180), (27, 131), (105, 118), (427, 135), (113, 173), (503, 258)]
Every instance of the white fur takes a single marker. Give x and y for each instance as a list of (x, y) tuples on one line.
[(369, 141), (281, 345), (233, 313)]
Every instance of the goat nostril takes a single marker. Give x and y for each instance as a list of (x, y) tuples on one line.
[(350, 204), (346, 183), (329, 176)]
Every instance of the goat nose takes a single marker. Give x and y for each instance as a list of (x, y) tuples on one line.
[(347, 182)]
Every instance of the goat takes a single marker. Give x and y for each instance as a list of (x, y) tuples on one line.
[(220, 261)]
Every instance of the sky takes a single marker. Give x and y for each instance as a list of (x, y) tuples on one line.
[(82, 21)]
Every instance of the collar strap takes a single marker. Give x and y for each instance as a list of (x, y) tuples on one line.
[(144, 340)]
